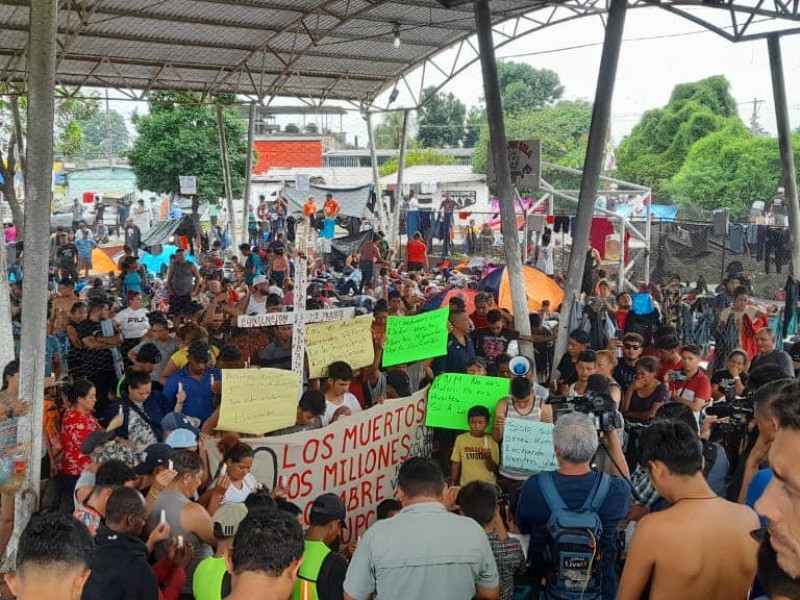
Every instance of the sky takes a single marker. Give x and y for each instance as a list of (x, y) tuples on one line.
[(648, 68)]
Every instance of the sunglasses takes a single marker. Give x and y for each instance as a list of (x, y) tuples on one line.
[(631, 346)]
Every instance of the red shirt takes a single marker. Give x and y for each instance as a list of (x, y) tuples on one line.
[(370, 252), (330, 208), (697, 386), (309, 209), (415, 251), (667, 367), (479, 322), (76, 427)]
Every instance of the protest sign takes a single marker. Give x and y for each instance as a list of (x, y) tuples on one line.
[(357, 457), (416, 338), (257, 401), (453, 394), (349, 340), (528, 446)]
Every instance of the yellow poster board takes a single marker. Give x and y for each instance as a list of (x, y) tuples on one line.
[(257, 401), (349, 340)]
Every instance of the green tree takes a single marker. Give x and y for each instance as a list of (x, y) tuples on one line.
[(524, 88), (176, 139), (476, 118), (657, 147), (69, 113), (440, 121), (105, 134), (563, 130), (414, 158), (729, 168), (390, 130)]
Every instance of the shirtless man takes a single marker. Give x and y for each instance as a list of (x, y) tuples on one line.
[(698, 548)]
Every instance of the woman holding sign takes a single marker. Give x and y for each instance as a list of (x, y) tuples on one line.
[(523, 405)]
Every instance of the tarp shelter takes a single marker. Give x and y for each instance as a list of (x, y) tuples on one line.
[(155, 262), (352, 200), (538, 287), (161, 233), (102, 263), (343, 246)]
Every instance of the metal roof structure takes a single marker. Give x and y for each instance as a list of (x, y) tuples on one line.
[(314, 50)]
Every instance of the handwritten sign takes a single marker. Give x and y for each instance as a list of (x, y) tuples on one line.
[(453, 394), (357, 458), (256, 401), (350, 341), (416, 338), (528, 446), (289, 318)]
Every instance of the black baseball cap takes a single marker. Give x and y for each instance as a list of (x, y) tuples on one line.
[(155, 455), (95, 439), (327, 508)]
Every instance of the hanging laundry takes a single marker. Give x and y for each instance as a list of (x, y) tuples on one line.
[(602, 227)]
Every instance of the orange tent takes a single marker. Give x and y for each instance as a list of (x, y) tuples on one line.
[(102, 263), (538, 287)]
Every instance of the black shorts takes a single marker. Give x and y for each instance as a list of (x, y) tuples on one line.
[(415, 266), (182, 305)]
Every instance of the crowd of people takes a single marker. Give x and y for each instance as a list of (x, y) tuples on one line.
[(659, 443)]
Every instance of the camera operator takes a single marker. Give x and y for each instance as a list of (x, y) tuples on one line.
[(576, 484), (690, 386), (730, 382), (700, 547), (715, 461), (609, 458), (757, 473), (585, 366)]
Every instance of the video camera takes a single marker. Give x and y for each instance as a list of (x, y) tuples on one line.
[(739, 411), (599, 406)]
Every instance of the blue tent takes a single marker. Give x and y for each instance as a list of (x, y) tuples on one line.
[(155, 262)]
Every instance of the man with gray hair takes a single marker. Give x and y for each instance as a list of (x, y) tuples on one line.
[(574, 490)]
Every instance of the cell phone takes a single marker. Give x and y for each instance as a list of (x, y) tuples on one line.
[(619, 334), (180, 387), (163, 517), (180, 541), (169, 464), (677, 376), (223, 470)]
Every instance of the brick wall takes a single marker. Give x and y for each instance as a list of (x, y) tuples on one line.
[(287, 154)]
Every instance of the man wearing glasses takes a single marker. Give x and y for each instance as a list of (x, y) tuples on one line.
[(632, 348)]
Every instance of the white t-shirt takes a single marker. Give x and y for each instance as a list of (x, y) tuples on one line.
[(234, 495), (350, 401), (133, 324)]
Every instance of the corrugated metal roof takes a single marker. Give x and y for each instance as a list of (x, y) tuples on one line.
[(435, 174), (339, 49), (323, 49)]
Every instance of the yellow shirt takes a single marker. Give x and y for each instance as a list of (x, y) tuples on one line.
[(181, 357), (467, 451)]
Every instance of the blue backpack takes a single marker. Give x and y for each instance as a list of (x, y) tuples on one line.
[(572, 555)]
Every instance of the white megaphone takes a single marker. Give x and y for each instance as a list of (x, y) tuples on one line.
[(520, 366)]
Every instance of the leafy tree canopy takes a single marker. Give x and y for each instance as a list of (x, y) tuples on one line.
[(563, 130), (657, 147), (440, 121), (389, 131), (524, 88), (417, 157), (105, 134), (729, 168), (177, 138)]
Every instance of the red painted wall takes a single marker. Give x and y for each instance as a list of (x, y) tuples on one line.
[(287, 154)]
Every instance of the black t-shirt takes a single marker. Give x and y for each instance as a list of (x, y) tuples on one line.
[(567, 371), (624, 374), (330, 582), (491, 346), (66, 254), (725, 381), (93, 362)]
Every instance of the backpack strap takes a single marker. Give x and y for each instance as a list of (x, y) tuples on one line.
[(598, 494), (548, 486)]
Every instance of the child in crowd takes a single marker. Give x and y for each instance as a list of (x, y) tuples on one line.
[(338, 401), (478, 501), (476, 456), (388, 508)]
